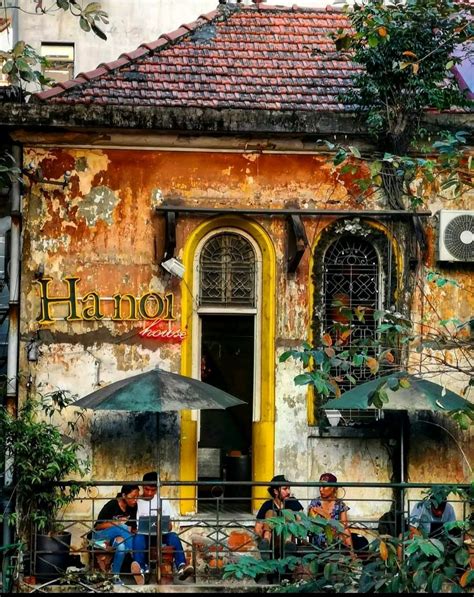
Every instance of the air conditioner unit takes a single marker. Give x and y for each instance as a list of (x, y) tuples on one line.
[(456, 235)]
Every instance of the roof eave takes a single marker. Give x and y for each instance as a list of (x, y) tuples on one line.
[(40, 116), (177, 119)]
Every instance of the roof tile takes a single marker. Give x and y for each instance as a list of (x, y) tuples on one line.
[(254, 57)]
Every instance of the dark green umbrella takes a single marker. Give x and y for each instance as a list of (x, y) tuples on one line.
[(158, 391), (420, 394)]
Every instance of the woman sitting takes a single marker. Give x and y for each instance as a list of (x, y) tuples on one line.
[(116, 525), (328, 506)]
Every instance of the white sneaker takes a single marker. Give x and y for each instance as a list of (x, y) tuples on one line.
[(137, 573), (185, 571)]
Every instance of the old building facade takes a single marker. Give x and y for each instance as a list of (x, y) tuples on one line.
[(184, 150)]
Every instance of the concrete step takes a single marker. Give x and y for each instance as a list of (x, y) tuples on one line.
[(182, 587), (224, 587)]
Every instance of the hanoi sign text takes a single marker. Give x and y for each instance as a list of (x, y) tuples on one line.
[(92, 307)]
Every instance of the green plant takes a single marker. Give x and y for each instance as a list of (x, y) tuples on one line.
[(408, 180), (24, 66), (407, 50), (334, 356), (318, 562), (21, 64), (427, 564), (38, 458)]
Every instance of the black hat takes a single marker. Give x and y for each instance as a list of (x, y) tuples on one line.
[(277, 479)]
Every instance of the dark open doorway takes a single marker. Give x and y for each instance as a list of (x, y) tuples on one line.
[(225, 445)]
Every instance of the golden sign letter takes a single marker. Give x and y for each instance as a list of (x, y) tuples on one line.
[(46, 301)]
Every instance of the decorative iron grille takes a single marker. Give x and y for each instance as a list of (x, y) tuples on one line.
[(351, 279), (227, 271)]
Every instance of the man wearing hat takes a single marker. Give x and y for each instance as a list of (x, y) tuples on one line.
[(280, 500)]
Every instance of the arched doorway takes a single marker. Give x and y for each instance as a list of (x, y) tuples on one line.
[(263, 317), (228, 280)]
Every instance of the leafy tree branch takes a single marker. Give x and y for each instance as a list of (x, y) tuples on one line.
[(406, 50)]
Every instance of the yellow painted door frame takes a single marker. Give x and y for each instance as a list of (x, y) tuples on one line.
[(263, 431)]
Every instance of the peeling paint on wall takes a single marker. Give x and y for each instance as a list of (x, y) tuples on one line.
[(98, 204), (103, 228)]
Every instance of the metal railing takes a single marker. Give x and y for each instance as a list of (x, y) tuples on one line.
[(221, 530)]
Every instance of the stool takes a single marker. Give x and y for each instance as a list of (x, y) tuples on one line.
[(101, 558), (164, 572), (166, 566)]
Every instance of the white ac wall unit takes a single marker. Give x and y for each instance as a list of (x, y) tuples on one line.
[(456, 235)]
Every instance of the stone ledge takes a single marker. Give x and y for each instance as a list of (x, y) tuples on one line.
[(184, 587)]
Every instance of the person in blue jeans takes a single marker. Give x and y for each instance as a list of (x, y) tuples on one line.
[(117, 525), (147, 506)]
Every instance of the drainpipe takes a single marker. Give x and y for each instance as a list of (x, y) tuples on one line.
[(15, 256), (11, 397), (15, 26)]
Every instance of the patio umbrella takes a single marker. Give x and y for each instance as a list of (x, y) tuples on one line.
[(158, 391), (420, 395)]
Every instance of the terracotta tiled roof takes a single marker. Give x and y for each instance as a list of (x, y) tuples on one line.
[(253, 57)]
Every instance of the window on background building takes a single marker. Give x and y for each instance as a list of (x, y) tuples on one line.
[(60, 59), (3, 77), (5, 23)]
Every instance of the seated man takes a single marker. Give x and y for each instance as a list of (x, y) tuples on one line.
[(147, 506), (428, 516), (280, 500), (427, 519)]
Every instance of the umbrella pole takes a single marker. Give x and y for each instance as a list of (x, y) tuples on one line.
[(402, 473), (158, 504), (402, 452), (159, 539)]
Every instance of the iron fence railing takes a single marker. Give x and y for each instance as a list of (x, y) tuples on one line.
[(219, 530)]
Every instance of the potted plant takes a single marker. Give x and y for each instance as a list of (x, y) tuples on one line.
[(37, 459)]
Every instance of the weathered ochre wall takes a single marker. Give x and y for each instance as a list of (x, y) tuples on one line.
[(102, 228), (439, 450)]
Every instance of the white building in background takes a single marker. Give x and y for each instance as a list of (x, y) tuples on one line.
[(131, 23)]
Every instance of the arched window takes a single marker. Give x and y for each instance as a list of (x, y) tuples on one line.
[(351, 279), (356, 263), (227, 268)]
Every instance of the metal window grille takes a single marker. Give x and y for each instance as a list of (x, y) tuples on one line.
[(227, 271), (351, 278)]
